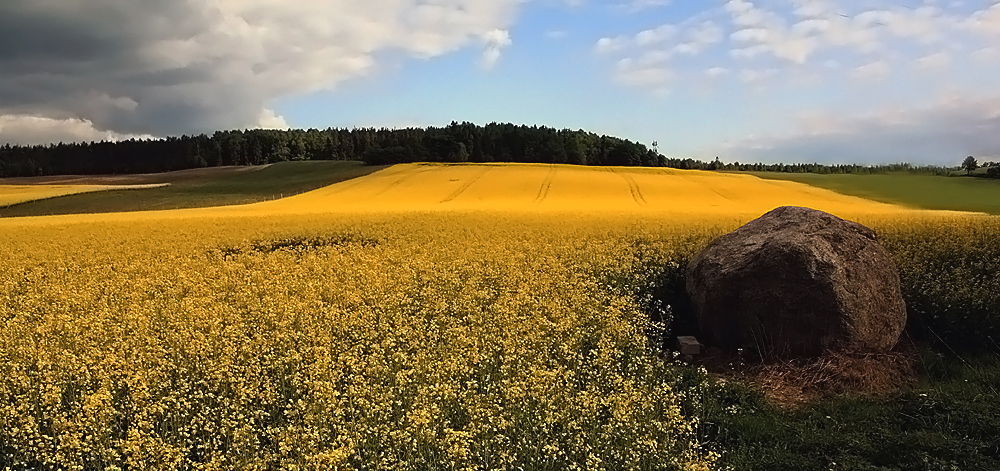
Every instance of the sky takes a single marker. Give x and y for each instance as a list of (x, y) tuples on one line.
[(850, 81)]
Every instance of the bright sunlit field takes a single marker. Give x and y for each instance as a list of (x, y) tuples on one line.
[(421, 317), (532, 188), (16, 194)]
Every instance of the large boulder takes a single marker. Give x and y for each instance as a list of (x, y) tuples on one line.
[(797, 282)]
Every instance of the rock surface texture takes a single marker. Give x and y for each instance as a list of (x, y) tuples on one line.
[(797, 282)]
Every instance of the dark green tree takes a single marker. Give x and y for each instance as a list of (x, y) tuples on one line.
[(970, 165)]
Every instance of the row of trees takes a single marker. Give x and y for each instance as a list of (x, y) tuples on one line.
[(457, 142), (992, 168), (689, 164)]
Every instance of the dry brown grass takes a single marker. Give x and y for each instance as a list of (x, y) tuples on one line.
[(790, 384), (797, 382)]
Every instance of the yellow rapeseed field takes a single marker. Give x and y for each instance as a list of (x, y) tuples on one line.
[(536, 187), (422, 317), (15, 194)]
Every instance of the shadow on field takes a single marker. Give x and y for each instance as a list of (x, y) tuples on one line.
[(297, 245), (196, 188)]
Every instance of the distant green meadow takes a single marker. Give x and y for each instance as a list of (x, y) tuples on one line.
[(959, 193), (222, 186)]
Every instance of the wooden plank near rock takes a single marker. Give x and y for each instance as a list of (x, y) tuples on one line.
[(688, 345)]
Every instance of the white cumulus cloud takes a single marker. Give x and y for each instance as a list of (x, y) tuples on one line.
[(946, 130), (496, 41), (28, 130), (876, 70)]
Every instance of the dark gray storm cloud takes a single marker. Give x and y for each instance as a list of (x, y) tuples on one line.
[(165, 67), (91, 60)]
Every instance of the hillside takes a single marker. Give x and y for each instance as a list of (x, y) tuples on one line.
[(540, 187), (196, 188), (459, 187), (532, 187)]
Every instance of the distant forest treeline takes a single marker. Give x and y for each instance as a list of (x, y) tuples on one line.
[(457, 142), (992, 170)]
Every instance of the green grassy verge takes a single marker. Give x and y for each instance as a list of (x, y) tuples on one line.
[(949, 421), (959, 193), (196, 189)]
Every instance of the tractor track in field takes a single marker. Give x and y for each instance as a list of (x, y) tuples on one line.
[(400, 180), (633, 187), (349, 184), (466, 185), (543, 191), (711, 188)]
